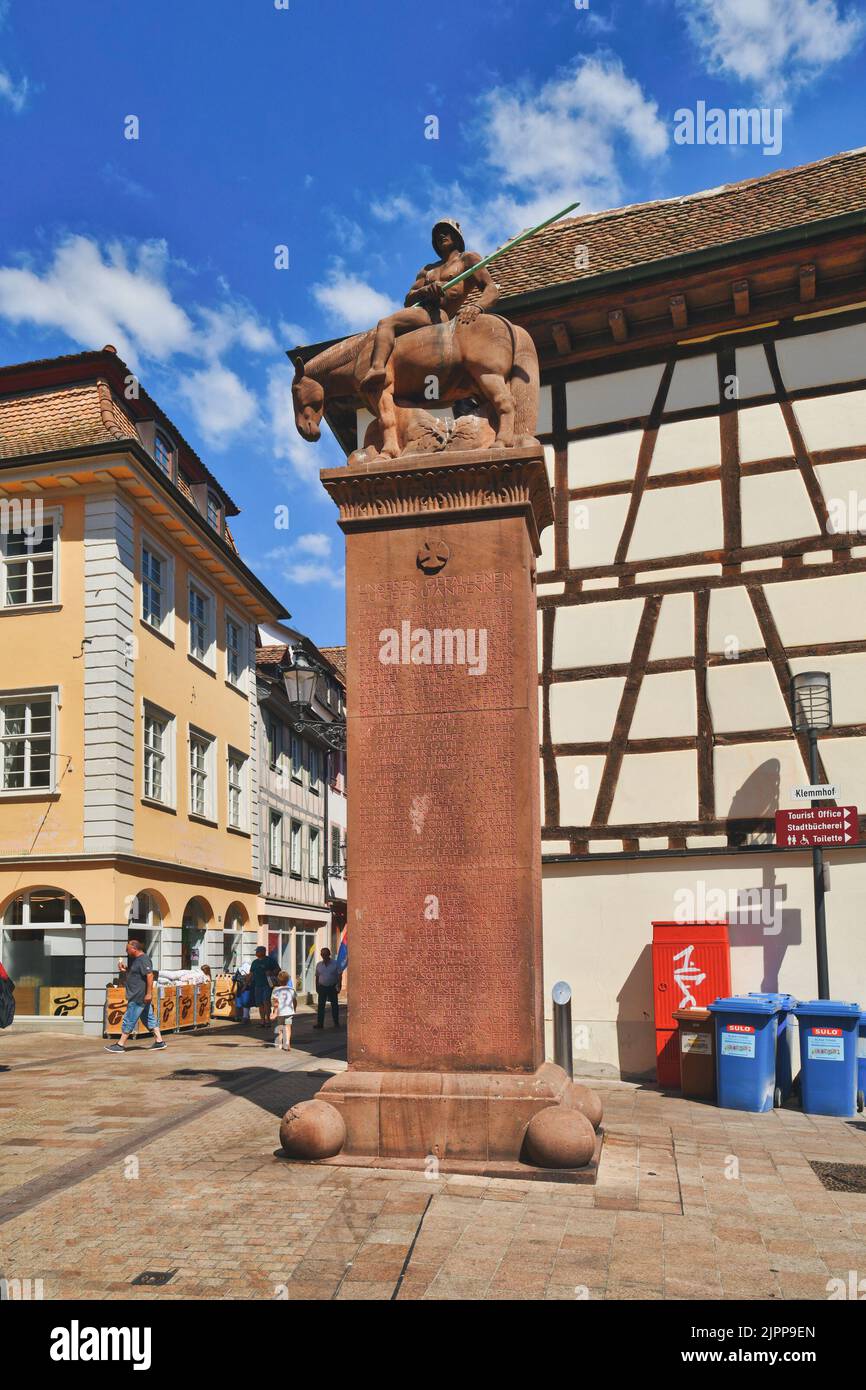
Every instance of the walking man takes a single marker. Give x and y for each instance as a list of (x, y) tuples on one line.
[(137, 972), (329, 978)]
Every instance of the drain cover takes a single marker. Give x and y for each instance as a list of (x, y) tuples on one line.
[(155, 1276), (841, 1177)]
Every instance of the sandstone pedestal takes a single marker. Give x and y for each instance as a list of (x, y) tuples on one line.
[(446, 1046)]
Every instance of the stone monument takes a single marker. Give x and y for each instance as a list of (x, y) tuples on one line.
[(442, 524)]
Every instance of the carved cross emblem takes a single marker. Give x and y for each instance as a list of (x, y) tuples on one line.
[(433, 556)]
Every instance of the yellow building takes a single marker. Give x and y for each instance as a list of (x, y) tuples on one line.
[(128, 778)]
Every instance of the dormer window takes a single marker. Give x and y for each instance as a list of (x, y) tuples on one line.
[(214, 511), (163, 453)]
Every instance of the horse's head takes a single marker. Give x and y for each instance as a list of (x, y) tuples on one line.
[(308, 397)]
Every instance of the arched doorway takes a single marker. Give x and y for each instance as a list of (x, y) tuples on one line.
[(146, 920), (42, 950), (236, 919), (196, 916)]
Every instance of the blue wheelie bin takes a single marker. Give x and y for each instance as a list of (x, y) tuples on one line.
[(746, 1027), (861, 1064), (829, 1035), (784, 1067)]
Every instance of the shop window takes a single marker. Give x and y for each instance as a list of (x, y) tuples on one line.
[(42, 950), (193, 934)]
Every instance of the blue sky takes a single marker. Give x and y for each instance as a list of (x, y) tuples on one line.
[(302, 123)]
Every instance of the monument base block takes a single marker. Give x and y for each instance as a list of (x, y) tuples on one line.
[(463, 1122)]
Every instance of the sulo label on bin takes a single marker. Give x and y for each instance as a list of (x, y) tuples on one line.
[(697, 1042), (738, 1040), (825, 1045)]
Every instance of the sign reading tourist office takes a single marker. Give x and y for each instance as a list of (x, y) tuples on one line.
[(817, 826)]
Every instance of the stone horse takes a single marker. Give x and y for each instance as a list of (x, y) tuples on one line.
[(489, 358)]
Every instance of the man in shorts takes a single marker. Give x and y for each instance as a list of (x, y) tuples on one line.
[(137, 972)]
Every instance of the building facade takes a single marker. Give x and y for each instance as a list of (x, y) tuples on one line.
[(302, 812), (128, 728), (703, 411)]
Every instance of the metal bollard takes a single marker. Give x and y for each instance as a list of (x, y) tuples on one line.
[(562, 1053)]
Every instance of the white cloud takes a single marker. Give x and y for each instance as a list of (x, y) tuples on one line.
[(14, 92), (545, 147), (97, 300), (773, 46), (349, 303), (220, 403), (297, 568), (234, 323)]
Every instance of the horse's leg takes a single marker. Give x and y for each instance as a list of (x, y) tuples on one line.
[(387, 412), (495, 389)]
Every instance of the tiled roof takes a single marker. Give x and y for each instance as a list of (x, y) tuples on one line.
[(271, 656), (67, 418), (642, 233), (337, 658)]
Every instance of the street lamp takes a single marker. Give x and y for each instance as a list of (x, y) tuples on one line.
[(812, 713), (300, 681)]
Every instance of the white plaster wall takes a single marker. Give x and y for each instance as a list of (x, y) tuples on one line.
[(844, 487), (755, 779), (596, 634), (598, 932), (745, 696), (547, 558), (776, 507), (579, 781), (686, 444), (611, 458), (752, 372), (819, 359), (833, 422), (594, 529), (626, 395), (845, 761), (550, 463), (678, 520), (732, 616), (675, 629), (819, 610), (545, 410), (584, 711), (694, 382), (656, 787), (666, 706), (763, 433)]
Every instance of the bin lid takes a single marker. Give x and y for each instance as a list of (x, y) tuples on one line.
[(761, 1004), (691, 1015), (825, 1007), (783, 1001)]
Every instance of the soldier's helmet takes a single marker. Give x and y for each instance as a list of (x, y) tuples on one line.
[(452, 227)]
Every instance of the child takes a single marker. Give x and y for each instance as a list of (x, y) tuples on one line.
[(283, 1002)]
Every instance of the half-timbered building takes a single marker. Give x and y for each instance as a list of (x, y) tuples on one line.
[(703, 413)]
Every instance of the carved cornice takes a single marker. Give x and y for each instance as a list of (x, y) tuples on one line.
[(483, 481)]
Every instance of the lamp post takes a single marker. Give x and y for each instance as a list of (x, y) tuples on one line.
[(812, 713), (300, 681)]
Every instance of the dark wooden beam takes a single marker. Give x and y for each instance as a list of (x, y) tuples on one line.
[(679, 311), (740, 293), (807, 276), (561, 338), (618, 325)]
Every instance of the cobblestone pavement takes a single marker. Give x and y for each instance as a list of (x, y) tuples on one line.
[(111, 1166)]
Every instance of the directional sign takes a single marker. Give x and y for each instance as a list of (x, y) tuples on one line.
[(820, 791), (818, 825)]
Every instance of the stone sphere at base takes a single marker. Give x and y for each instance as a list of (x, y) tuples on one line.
[(312, 1129), (559, 1137), (579, 1097)]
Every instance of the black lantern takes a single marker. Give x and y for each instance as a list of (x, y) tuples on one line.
[(811, 707)]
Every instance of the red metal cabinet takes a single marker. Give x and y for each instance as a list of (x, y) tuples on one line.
[(691, 968)]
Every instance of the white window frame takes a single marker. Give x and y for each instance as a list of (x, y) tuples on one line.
[(208, 659), (213, 497), (275, 822), (314, 837), (26, 697), (200, 736), (297, 763), (240, 785), (149, 710), (171, 472), (52, 516), (296, 848), (315, 764), (166, 626), (243, 651)]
